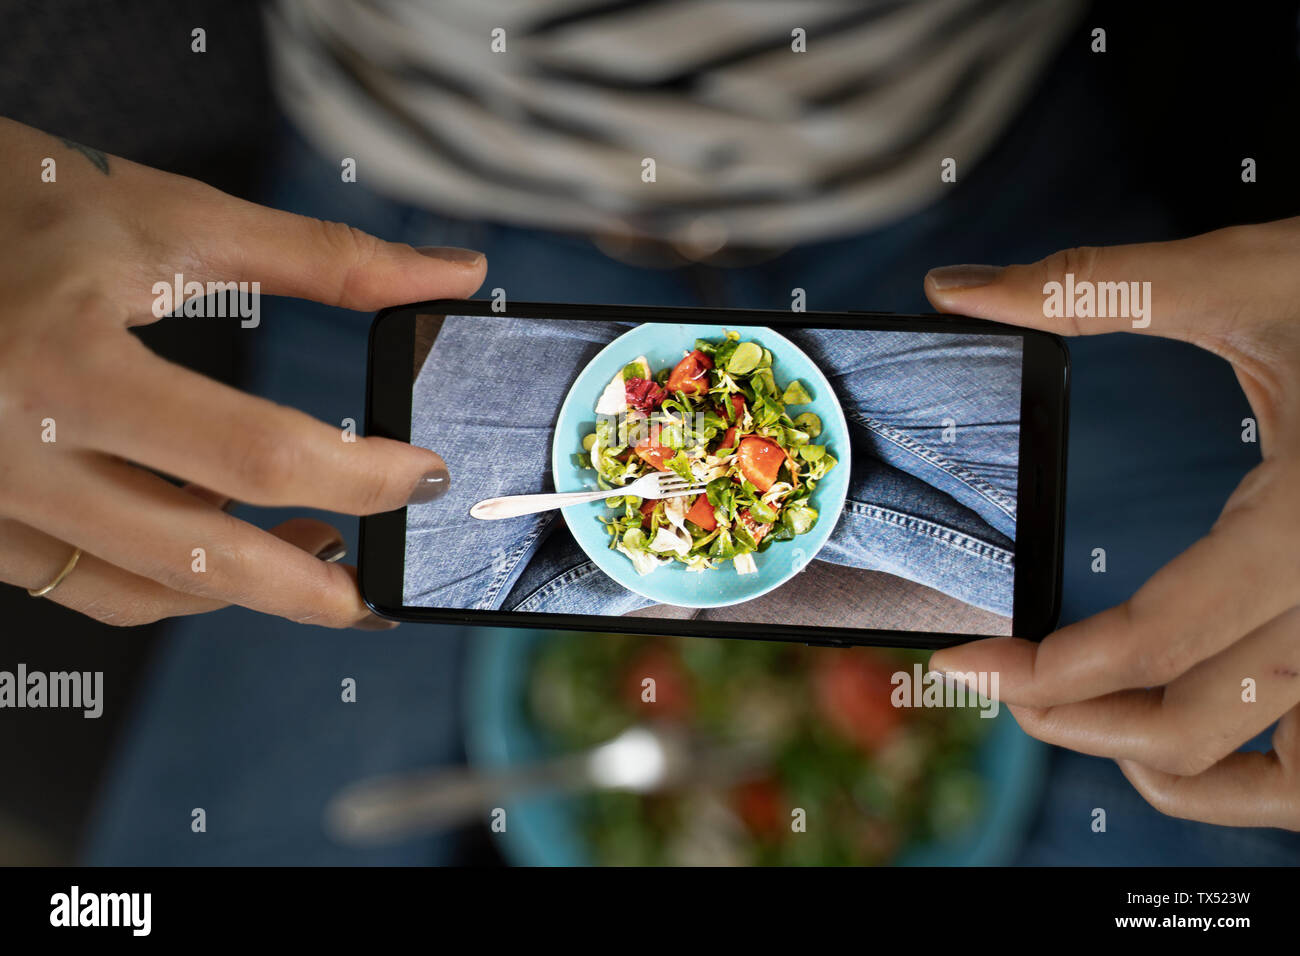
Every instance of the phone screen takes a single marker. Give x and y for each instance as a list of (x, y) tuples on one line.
[(818, 479)]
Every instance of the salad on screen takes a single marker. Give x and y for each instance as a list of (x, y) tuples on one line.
[(718, 418)]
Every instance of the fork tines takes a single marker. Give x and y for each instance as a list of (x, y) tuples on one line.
[(669, 484)]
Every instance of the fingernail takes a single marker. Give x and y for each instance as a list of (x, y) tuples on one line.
[(454, 254), (373, 622), (433, 485), (948, 278), (334, 551)]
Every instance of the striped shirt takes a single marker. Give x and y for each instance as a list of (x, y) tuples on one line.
[(703, 123)]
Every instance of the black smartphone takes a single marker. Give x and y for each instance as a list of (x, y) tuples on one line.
[(838, 478)]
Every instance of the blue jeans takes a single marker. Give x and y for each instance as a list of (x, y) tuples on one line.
[(241, 715), (941, 514)]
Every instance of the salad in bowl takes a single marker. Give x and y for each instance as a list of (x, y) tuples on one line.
[(719, 417)]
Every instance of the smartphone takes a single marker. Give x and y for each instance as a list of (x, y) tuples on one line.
[(833, 478)]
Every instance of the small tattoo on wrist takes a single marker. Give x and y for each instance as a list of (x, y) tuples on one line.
[(96, 156)]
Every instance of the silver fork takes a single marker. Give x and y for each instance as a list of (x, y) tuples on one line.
[(645, 758), (661, 484)]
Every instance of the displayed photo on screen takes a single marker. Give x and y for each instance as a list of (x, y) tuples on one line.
[(815, 477)]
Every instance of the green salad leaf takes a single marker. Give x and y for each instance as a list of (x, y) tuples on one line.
[(796, 394)]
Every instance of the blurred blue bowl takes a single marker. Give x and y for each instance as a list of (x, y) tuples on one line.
[(543, 831)]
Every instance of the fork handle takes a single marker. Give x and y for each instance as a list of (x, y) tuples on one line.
[(513, 506)]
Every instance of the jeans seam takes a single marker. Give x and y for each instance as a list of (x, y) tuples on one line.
[(977, 484), (945, 535), (510, 562), (553, 585)]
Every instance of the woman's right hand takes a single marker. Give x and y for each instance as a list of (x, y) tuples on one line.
[(79, 257), (1206, 654)]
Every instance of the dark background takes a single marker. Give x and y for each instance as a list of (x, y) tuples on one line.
[(1189, 88)]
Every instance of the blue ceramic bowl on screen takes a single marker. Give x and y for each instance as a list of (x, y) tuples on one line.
[(664, 344)]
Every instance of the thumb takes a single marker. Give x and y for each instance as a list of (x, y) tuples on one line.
[(1174, 289)]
